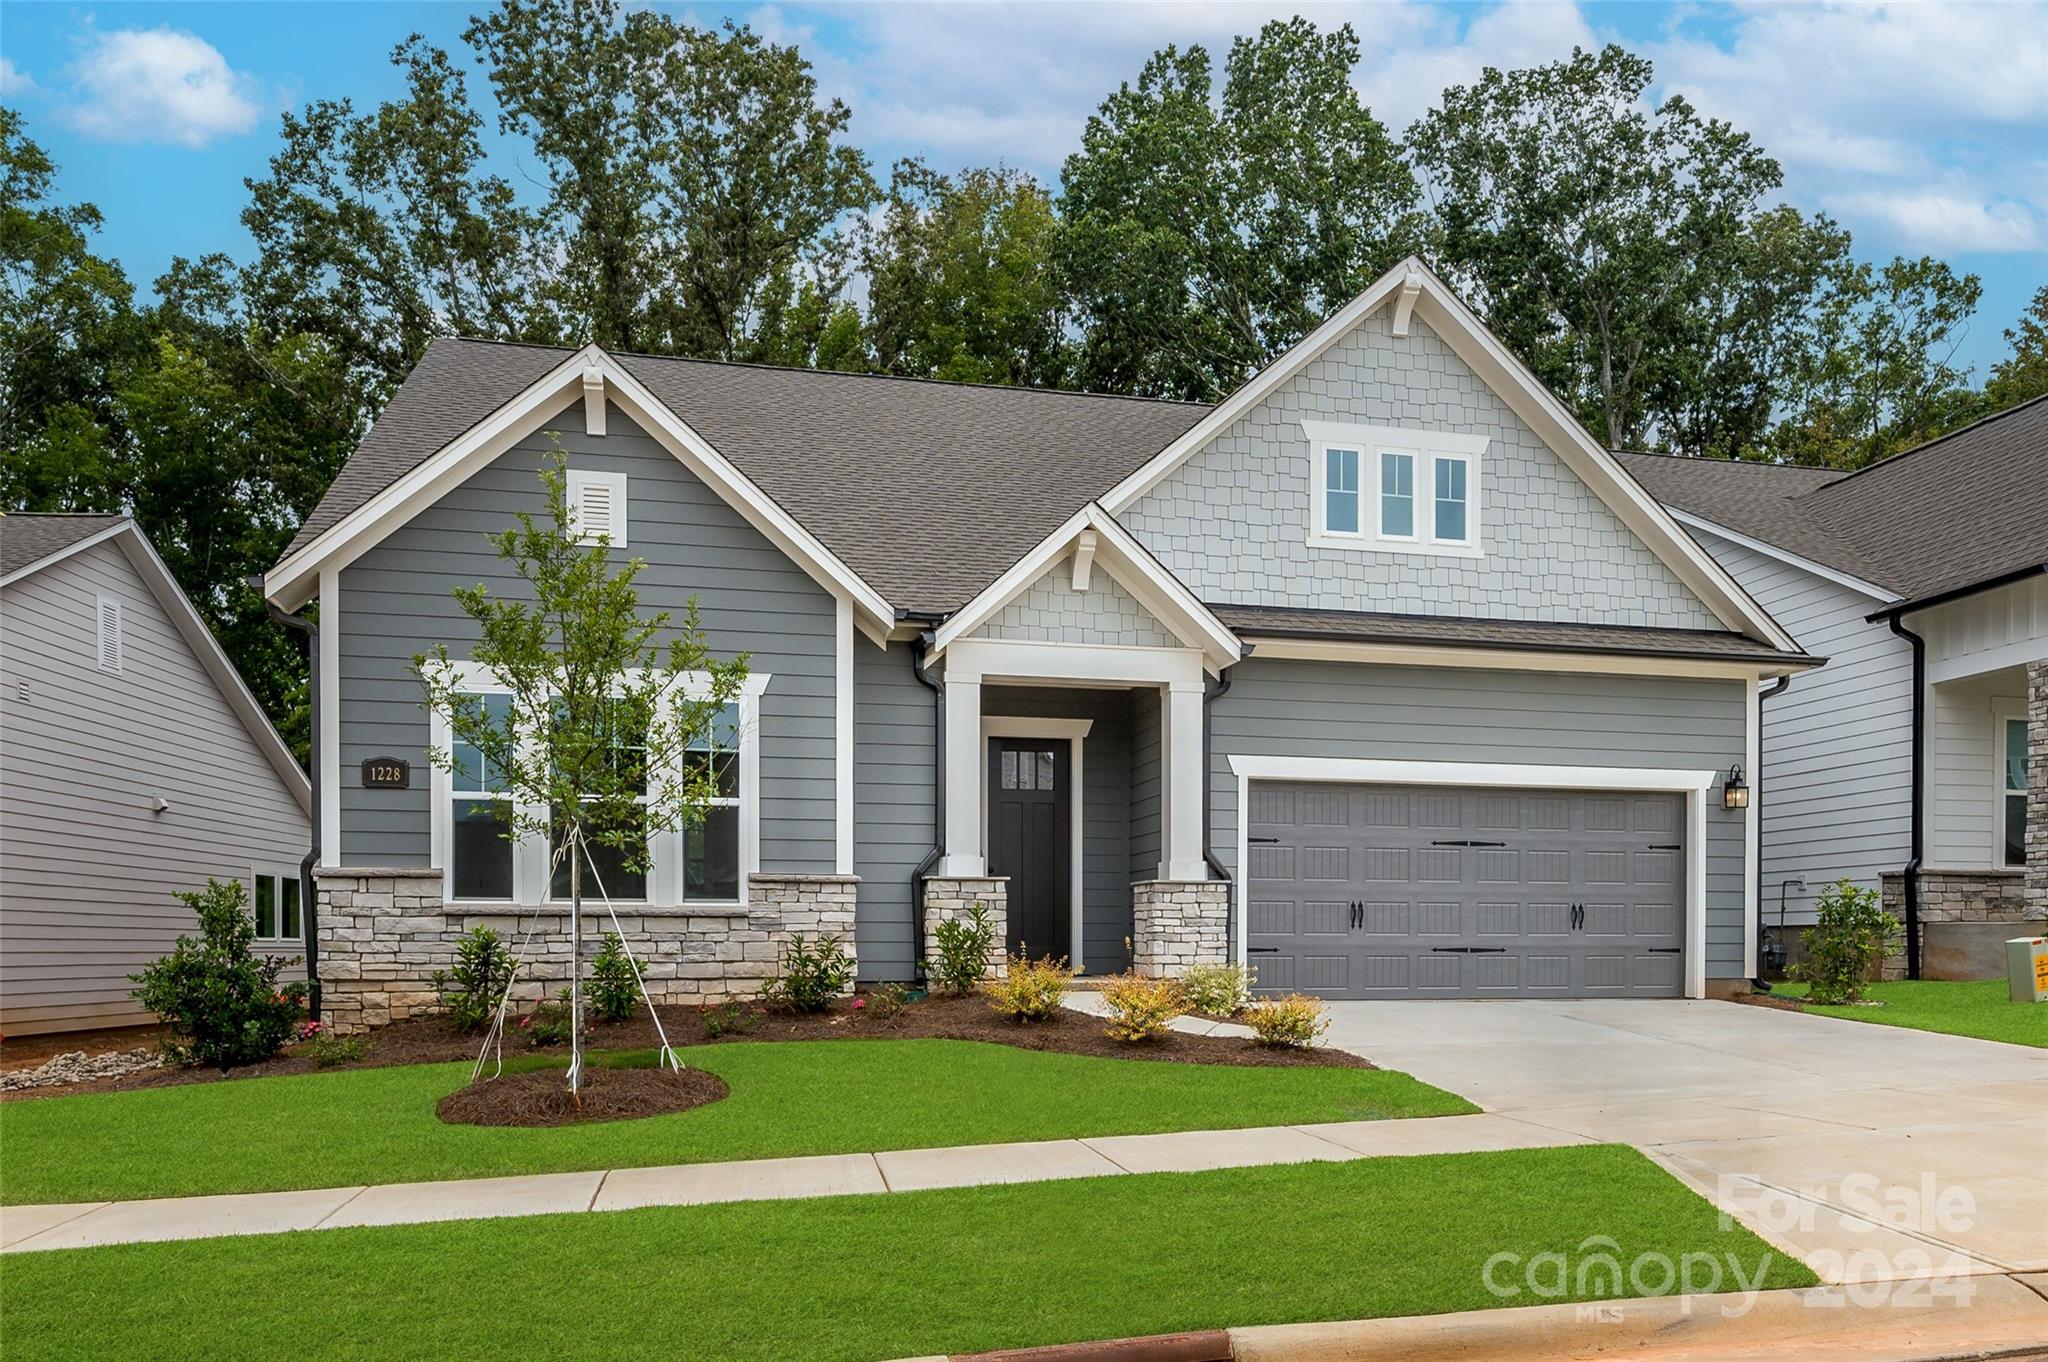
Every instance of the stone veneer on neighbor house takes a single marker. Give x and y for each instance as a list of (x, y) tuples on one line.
[(1179, 923), (385, 931)]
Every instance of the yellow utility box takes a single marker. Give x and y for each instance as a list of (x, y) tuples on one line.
[(2026, 968)]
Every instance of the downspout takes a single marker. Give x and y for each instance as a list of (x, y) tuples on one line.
[(309, 896), (918, 648), (1911, 876), (1756, 784), (1216, 867)]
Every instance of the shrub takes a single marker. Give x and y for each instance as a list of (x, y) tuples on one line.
[(1293, 1022), (962, 946), (328, 1051), (472, 991), (1216, 990), (884, 1002), (727, 1019), (1030, 991), (1139, 1009), (223, 1005), (551, 1023), (811, 977), (1847, 944), (614, 991)]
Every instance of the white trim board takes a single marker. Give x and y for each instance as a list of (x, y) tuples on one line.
[(1530, 400), (1694, 785), (1074, 732), (1477, 657)]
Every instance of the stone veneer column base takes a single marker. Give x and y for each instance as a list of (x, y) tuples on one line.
[(1179, 923), (949, 899), (384, 931), (1965, 917)]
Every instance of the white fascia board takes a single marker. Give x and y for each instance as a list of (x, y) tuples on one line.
[(59, 555), (1515, 775), (1783, 555), (990, 600), (975, 660), (1478, 658)]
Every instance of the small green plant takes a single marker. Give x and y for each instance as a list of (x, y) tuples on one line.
[(614, 991), (1847, 944), (727, 1019), (329, 1051), (811, 976), (470, 992), (1217, 990), (223, 1004), (1294, 1022), (1140, 1008), (883, 1003), (960, 952), (1030, 990), (551, 1023)]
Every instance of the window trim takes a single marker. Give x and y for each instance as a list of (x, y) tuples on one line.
[(580, 478), (2001, 716), (279, 877), (530, 852), (1427, 449)]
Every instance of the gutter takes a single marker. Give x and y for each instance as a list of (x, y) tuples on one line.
[(1911, 874), (919, 648), (1897, 608), (1216, 867), (309, 894), (1756, 792)]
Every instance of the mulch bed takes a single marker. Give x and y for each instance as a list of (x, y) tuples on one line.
[(540, 1097), (431, 1040), (1771, 1000)]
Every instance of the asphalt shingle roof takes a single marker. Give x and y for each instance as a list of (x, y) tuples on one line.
[(29, 537), (1366, 626)]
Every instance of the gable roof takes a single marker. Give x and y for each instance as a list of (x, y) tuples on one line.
[(1966, 510), (927, 490), (31, 543)]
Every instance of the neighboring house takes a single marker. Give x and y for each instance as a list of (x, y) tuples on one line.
[(1381, 676), (1932, 564), (134, 764)]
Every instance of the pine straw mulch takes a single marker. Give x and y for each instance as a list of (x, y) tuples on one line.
[(431, 1040), (537, 1097)]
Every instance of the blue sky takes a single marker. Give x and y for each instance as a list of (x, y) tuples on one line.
[(1923, 127)]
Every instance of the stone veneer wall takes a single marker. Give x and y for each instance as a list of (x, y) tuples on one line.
[(384, 931), (949, 900), (2037, 789), (1179, 923), (1965, 916)]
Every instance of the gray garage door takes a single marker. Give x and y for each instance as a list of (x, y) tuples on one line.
[(1390, 891)]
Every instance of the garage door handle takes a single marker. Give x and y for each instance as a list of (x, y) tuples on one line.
[(1578, 916), (1357, 915)]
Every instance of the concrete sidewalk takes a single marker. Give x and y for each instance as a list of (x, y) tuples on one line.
[(28, 1229)]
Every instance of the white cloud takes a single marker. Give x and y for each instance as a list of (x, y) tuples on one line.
[(159, 85), (14, 81), (1946, 224)]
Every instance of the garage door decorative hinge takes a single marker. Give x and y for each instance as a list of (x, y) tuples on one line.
[(1469, 950), (1468, 844)]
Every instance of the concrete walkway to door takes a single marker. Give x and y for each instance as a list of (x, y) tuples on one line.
[(1871, 1151)]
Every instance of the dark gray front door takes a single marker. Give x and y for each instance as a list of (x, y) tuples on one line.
[(1030, 826), (1391, 891)]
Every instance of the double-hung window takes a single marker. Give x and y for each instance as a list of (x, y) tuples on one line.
[(275, 905), (1395, 489), (2012, 790), (484, 859), (614, 868)]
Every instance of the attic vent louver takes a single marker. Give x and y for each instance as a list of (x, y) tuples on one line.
[(109, 631), (598, 502)]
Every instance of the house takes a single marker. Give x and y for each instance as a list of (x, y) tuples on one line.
[(1917, 758), (134, 763), (1381, 676)]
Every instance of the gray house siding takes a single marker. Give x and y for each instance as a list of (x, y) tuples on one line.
[(88, 867), (1051, 610), (1280, 707), (1233, 521), (893, 724), (1836, 794), (395, 602), (1147, 808)]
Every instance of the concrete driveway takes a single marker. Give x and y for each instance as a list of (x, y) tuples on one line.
[(1871, 1151)]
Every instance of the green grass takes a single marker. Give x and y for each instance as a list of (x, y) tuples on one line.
[(866, 1277), (1979, 1008), (788, 1097)]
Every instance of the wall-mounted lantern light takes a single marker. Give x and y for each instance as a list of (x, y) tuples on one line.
[(1735, 794)]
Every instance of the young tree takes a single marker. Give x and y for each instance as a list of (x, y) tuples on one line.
[(2024, 373), (600, 746)]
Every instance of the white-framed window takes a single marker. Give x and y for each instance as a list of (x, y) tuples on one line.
[(107, 640), (1420, 489), (2012, 789), (597, 503), (708, 863), (274, 903)]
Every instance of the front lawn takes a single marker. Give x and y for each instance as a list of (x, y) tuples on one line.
[(788, 1097), (1980, 1008), (907, 1274)]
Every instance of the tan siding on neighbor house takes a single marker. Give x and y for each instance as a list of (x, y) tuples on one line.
[(87, 867)]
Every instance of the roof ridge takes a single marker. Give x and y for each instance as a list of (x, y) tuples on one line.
[(1778, 465), (834, 373)]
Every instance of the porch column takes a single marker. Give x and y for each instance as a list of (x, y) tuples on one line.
[(964, 858), (1180, 782)]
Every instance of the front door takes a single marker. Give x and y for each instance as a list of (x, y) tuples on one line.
[(1030, 839)]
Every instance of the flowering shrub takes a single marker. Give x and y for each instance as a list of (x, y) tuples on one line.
[(811, 977), (311, 1030), (1030, 990), (330, 1050), (551, 1023), (224, 1006), (1295, 1021), (960, 952), (883, 1003), (1217, 990), (1139, 1009)]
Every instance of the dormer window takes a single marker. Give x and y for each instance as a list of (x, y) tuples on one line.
[(1420, 491)]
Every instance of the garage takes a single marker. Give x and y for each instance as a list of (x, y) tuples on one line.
[(1409, 891)]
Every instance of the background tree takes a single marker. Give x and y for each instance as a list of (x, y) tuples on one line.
[(2023, 374), (1201, 238), (595, 746)]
